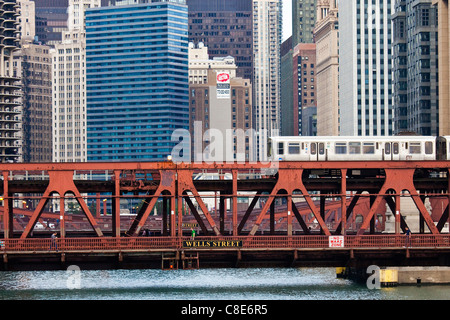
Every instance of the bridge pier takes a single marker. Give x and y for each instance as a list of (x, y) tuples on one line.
[(393, 276)]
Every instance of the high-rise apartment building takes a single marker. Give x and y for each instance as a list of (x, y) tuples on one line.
[(32, 63), (444, 65), (304, 80), (287, 89), (69, 87), (225, 27), (415, 67), (27, 20), (365, 68), (326, 34), (10, 107), (220, 106), (267, 36), (137, 79), (303, 21)]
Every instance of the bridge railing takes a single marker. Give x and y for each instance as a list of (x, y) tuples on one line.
[(101, 244)]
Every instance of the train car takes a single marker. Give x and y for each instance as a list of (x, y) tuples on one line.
[(352, 148), (443, 148)]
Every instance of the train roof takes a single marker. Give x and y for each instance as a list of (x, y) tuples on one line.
[(352, 138)]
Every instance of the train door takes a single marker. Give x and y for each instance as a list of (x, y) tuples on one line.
[(321, 154), (318, 152), (313, 152), (391, 151)]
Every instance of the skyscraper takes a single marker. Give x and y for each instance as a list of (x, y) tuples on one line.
[(326, 35), (303, 21), (415, 67), (267, 36), (137, 79), (444, 66), (69, 87), (225, 27), (51, 20), (304, 80), (10, 108), (220, 101), (365, 67)]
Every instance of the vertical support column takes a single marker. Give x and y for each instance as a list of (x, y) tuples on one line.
[(421, 219), (289, 215), (272, 217), (222, 212), (448, 195), (372, 221), (116, 200), (235, 198), (97, 205), (343, 200), (62, 219), (322, 209), (397, 214), (7, 208), (180, 216), (164, 216), (222, 215), (173, 229)]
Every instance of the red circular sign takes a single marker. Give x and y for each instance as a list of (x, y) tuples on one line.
[(223, 77)]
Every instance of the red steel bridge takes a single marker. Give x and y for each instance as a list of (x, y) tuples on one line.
[(286, 213)]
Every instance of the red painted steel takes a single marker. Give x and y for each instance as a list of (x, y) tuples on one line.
[(106, 244), (178, 190)]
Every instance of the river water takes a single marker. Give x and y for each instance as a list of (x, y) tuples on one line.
[(203, 284)]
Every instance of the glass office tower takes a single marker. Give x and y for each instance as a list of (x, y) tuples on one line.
[(137, 79)]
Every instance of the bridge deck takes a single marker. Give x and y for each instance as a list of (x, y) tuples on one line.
[(151, 252)]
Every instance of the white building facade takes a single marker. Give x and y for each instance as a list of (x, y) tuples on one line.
[(267, 37), (69, 87), (365, 67)]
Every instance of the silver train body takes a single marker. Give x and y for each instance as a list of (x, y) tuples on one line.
[(350, 148)]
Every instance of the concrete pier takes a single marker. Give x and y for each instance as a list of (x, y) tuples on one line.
[(392, 276), (423, 275)]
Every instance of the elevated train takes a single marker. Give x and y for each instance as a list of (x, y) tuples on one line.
[(352, 148)]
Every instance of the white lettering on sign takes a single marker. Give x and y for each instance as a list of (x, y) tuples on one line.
[(223, 85), (336, 241)]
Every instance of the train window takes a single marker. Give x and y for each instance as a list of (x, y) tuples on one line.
[(280, 148), (294, 148), (414, 148), (428, 147), (387, 148), (395, 148), (368, 148), (321, 148), (340, 148), (313, 148), (354, 147)]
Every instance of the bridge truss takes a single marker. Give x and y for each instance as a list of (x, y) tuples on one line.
[(222, 199)]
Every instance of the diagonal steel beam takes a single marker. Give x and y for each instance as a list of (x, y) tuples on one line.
[(196, 215), (249, 211), (185, 183)]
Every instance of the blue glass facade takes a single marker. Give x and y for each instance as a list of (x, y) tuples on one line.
[(137, 80)]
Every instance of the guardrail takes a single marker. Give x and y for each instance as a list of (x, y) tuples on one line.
[(105, 244)]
